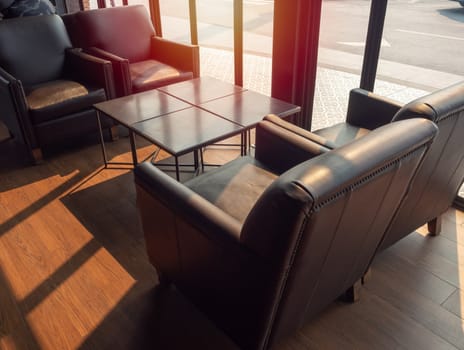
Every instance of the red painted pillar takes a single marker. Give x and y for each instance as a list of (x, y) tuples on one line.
[(294, 58)]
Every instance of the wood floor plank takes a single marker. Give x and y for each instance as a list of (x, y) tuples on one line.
[(455, 303), (374, 323), (437, 255), (74, 273), (407, 274), (421, 309)]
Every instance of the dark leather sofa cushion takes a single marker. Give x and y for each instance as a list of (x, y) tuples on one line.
[(341, 134), (234, 187), (151, 74), (54, 99)]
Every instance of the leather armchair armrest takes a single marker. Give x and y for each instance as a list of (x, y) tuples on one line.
[(14, 109), (280, 149), (186, 204), (97, 52), (178, 55), (122, 76), (300, 131), (97, 71), (370, 111)]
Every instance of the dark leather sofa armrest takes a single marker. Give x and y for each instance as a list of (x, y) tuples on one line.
[(178, 55), (300, 131), (369, 110), (94, 70), (14, 109), (280, 149), (122, 77), (191, 207)]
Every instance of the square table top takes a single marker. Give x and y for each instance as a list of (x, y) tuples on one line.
[(200, 90), (248, 108), (184, 116), (145, 105), (185, 130)]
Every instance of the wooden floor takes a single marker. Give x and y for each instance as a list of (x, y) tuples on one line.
[(74, 273)]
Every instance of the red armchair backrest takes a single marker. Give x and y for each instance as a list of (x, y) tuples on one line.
[(125, 31)]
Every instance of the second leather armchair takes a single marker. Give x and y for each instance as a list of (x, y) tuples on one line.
[(262, 244), (442, 172)]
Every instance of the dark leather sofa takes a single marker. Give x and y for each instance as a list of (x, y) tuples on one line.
[(125, 36), (442, 172), (47, 88), (262, 244)]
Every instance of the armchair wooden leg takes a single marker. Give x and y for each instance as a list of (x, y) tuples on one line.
[(163, 279), (114, 133), (352, 294), (366, 276), (434, 226), (37, 156)]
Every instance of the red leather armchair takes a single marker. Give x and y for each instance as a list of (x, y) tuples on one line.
[(47, 89), (125, 36), (261, 245)]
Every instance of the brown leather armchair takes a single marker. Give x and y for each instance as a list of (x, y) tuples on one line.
[(125, 36), (261, 245), (442, 172), (47, 89)]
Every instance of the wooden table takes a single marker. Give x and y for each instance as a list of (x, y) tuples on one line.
[(186, 116)]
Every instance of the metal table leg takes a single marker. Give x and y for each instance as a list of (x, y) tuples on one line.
[(102, 140), (177, 168), (133, 147)]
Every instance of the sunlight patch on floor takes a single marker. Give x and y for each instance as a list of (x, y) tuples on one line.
[(31, 250), (87, 296), (32, 193)]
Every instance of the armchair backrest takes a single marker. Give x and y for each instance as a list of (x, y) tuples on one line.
[(319, 224), (369, 110), (125, 31), (33, 48), (442, 172)]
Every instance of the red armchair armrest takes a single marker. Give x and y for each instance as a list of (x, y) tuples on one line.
[(97, 71), (178, 55)]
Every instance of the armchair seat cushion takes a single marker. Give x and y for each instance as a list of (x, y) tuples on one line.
[(342, 133), (151, 74), (54, 92), (234, 187), (53, 99)]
